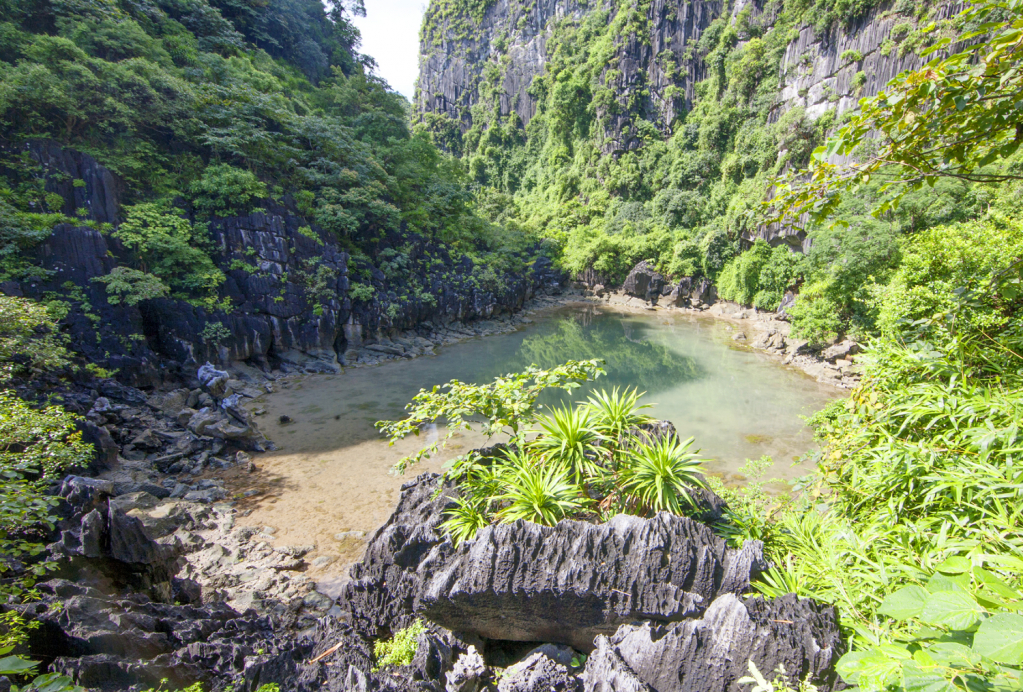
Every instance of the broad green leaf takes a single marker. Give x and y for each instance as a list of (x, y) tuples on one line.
[(916, 679), (907, 602), (860, 666), (1000, 638), (945, 582), (995, 584), (15, 665), (954, 565), (954, 609)]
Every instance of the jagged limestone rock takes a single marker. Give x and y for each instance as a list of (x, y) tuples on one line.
[(382, 592), (644, 282), (573, 581), (607, 672), (538, 672), (711, 653)]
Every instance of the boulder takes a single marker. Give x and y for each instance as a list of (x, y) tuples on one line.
[(607, 672), (841, 351), (703, 293), (468, 673), (213, 381), (538, 672), (643, 282), (710, 654), (383, 587), (679, 294), (571, 582)]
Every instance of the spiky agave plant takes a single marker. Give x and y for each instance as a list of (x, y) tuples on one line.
[(468, 516), (570, 439), (617, 412), (661, 475), (539, 492)]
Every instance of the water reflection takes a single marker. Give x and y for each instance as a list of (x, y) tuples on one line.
[(736, 403), (632, 359)]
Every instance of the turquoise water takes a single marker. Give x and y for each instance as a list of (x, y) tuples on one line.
[(736, 403)]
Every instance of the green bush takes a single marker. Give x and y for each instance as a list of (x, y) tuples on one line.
[(782, 270), (224, 190), (132, 286), (29, 339), (816, 317), (400, 649), (170, 248), (850, 56), (947, 266), (739, 281)]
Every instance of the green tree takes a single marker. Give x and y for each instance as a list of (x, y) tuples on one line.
[(953, 117)]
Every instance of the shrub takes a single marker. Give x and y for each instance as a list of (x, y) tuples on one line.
[(943, 267), (29, 339), (400, 649), (224, 190), (740, 279), (850, 56), (170, 248), (132, 286), (658, 477), (361, 292), (816, 317)]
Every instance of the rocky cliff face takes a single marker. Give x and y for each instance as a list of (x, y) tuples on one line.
[(651, 74), (288, 288), (655, 76)]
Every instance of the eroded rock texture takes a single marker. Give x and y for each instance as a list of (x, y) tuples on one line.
[(382, 594), (269, 258), (711, 653), (571, 582)]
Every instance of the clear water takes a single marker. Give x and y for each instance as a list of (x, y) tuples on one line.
[(331, 474), (736, 403)]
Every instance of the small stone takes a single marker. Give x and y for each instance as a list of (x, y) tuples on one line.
[(345, 535), (284, 420), (322, 561)]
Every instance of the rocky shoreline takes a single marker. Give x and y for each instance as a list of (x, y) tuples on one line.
[(159, 578), (632, 605), (645, 289)]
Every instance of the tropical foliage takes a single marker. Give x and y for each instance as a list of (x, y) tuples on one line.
[(587, 461), (400, 649), (952, 118)]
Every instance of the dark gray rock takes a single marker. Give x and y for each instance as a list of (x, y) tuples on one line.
[(710, 654), (644, 282), (607, 672), (569, 583), (538, 672), (93, 528), (213, 381), (129, 542), (468, 673), (383, 588), (109, 642), (843, 349)]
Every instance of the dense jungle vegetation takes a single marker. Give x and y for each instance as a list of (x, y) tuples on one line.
[(686, 193), (202, 109), (213, 109), (912, 524)]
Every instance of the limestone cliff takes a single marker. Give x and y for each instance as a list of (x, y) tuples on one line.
[(651, 73)]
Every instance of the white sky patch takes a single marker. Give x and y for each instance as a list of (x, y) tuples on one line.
[(390, 33)]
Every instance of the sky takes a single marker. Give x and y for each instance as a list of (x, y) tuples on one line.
[(390, 33)]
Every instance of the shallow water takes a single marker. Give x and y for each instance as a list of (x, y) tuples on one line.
[(331, 474)]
